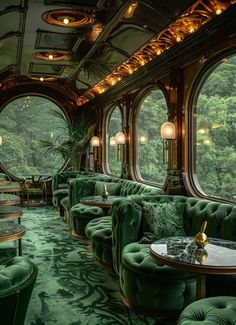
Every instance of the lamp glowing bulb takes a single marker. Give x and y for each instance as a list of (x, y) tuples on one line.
[(66, 21), (50, 56), (41, 79), (112, 141)]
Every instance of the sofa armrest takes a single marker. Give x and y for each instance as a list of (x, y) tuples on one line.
[(79, 188), (126, 222)]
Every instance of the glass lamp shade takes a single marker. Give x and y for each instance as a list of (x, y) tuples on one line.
[(112, 141), (94, 141), (168, 131), (120, 138)]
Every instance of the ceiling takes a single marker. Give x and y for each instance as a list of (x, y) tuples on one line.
[(99, 43)]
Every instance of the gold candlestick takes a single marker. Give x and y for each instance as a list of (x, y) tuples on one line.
[(105, 192)]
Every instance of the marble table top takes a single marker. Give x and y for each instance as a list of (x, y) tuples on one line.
[(10, 231), (8, 199), (8, 187), (98, 200), (218, 254)]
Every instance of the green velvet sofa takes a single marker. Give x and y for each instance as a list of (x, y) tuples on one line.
[(147, 286), (60, 186), (81, 215), (210, 311), (74, 189), (17, 280)]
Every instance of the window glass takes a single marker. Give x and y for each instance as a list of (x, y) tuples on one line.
[(151, 114), (24, 122), (214, 118), (114, 152)]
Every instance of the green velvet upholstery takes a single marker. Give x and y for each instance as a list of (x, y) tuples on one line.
[(128, 230), (17, 280), (99, 232), (149, 286), (61, 188), (82, 214), (210, 311), (87, 188), (5, 176)]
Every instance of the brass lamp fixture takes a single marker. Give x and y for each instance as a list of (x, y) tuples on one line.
[(168, 133), (120, 141), (51, 56), (68, 18)]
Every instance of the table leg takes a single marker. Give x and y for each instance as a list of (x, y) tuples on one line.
[(20, 247), (201, 286)]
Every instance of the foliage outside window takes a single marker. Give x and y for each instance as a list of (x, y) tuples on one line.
[(113, 153), (214, 121), (151, 114), (24, 122)]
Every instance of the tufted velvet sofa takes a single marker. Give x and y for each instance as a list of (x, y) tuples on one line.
[(17, 280), (210, 311), (145, 285), (80, 214), (60, 186)]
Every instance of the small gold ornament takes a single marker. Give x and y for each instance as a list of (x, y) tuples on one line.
[(105, 192), (201, 239)]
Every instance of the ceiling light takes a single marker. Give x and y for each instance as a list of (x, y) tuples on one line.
[(68, 18), (66, 21)]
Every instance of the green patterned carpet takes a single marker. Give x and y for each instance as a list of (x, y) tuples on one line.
[(70, 289)]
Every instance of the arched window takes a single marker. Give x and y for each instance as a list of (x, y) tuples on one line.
[(214, 131), (23, 123), (151, 113), (114, 153)]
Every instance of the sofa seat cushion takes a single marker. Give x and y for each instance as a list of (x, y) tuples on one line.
[(58, 195), (137, 257), (80, 216), (100, 234), (151, 286), (99, 230), (211, 311), (163, 219), (17, 271)]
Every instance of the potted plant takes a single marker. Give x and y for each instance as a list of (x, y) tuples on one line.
[(72, 144)]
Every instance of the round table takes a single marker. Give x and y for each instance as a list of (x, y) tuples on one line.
[(10, 212), (10, 231), (218, 257), (99, 201), (9, 199), (10, 187)]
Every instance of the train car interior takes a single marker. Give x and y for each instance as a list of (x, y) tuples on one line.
[(117, 162)]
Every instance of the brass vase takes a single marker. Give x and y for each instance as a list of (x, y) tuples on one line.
[(105, 192), (201, 239)]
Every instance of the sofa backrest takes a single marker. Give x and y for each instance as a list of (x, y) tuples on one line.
[(220, 217), (129, 187)]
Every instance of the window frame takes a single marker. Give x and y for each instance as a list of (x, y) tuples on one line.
[(134, 131), (106, 140), (33, 94), (204, 72)]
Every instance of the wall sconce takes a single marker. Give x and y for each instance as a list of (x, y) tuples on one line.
[(94, 142), (120, 141), (112, 141), (167, 134)]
